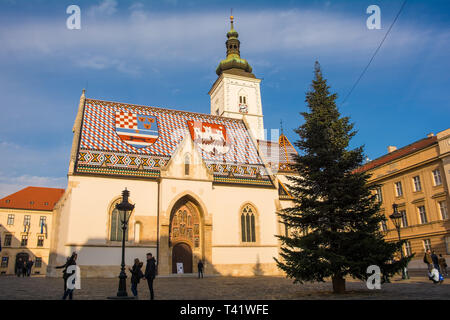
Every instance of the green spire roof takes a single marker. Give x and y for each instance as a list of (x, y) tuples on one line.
[(233, 59)]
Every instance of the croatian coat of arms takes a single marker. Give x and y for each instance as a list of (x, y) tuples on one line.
[(138, 130), (210, 137)]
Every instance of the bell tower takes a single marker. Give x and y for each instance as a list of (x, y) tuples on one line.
[(236, 92)]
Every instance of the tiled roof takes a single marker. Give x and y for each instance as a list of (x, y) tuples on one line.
[(399, 153), (102, 151), (32, 198), (279, 155)]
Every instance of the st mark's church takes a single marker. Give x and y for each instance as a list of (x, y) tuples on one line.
[(204, 186)]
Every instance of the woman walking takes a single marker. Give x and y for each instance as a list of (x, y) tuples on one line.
[(136, 275)]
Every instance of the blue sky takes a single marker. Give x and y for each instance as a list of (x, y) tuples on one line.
[(164, 53)]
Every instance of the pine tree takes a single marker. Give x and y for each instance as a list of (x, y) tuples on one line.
[(335, 221)]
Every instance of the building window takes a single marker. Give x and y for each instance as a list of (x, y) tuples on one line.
[(8, 239), (422, 215), (407, 249), (417, 185), (42, 223), (248, 228), (437, 177), (404, 219), (5, 261), (38, 262), (26, 222), (187, 162), (10, 219), (427, 244), (379, 194), (242, 100), (24, 241), (443, 209), (40, 241), (398, 189), (116, 232)]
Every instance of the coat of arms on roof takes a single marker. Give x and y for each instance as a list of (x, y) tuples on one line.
[(138, 130), (210, 137)]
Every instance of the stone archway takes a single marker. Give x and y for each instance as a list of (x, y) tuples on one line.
[(186, 222)]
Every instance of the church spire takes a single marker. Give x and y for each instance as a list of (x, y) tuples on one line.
[(233, 59)]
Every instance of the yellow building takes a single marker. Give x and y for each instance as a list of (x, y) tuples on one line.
[(416, 178), (25, 224)]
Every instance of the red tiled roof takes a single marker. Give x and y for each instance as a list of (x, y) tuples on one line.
[(411, 148), (33, 198), (281, 153)]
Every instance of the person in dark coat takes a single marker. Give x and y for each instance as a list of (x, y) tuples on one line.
[(71, 261), (19, 267), (24, 268), (435, 260), (29, 266), (150, 273), (136, 275), (200, 268), (428, 260)]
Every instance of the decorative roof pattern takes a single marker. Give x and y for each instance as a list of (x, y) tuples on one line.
[(102, 151), (32, 198), (278, 155)]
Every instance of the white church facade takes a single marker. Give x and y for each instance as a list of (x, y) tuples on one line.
[(204, 186)]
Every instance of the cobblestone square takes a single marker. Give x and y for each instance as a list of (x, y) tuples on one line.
[(222, 288)]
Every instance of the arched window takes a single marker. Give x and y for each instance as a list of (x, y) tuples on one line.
[(115, 227), (248, 224), (187, 162)]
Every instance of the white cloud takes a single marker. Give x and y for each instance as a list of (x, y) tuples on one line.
[(104, 8), (137, 37)]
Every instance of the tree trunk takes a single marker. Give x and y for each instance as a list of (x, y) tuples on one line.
[(338, 284)]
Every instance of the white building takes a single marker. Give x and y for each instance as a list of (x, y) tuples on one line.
[(205, 186)]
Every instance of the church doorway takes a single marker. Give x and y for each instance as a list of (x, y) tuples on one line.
[(21, 258), (182, 253)]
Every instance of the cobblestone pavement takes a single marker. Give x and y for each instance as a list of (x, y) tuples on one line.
[(223, 288)]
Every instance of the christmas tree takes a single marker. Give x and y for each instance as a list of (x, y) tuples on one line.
[(334, 223)]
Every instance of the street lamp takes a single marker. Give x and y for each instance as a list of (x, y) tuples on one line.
[(396, 218), (125, 208)]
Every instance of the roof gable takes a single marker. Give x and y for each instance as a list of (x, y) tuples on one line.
[(33, 198)]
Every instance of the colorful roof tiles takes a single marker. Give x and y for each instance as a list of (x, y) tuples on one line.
[(103, 151)]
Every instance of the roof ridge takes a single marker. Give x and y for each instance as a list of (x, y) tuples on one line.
[(167, 109)]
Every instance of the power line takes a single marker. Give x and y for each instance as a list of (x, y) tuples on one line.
[(375, 53)]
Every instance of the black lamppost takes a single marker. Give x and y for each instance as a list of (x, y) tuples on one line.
[(396, 218), (125, 208)]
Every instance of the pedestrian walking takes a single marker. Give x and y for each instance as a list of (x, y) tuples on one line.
[(443, 265), (435, 260), (428, 260), (200, 269), (71, 261), (136, 275), (24, 268), (150, 273), (19, 267), (29, 266)]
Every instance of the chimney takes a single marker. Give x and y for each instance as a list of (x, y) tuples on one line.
[(430, 135), (391, 148)]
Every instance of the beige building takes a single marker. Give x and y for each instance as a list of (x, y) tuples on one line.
[(205, 186), (25, 224), (417, 179)]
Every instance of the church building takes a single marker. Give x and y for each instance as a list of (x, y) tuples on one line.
[(205, 186)]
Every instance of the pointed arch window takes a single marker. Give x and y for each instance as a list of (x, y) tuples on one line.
[(115, 227), (248, 224)]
